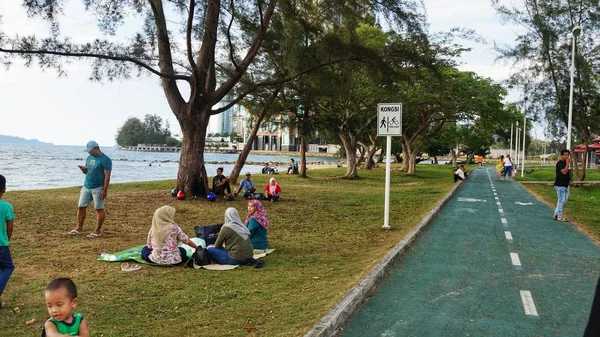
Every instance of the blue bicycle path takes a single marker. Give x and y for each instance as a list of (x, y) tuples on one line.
[(487, 267)]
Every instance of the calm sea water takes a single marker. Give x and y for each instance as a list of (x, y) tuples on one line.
[(29, 167)]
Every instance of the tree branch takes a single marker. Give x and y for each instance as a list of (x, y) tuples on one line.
[(254, 87), (231, 54), (165, 62), (188, 34), (97, 56), (250, 55)]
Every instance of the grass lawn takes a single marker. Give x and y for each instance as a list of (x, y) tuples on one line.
[(326, 231), (583, 207)]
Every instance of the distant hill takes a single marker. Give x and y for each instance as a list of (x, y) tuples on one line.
[(18, 140)]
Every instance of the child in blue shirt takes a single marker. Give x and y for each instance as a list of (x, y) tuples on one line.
[(6, 229), (61, 300)]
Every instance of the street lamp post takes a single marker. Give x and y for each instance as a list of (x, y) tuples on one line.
[(576, 32), (516, 159), (524, 132), (511, 136)]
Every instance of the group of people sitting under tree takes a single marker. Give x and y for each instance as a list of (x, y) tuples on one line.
[(220, 186), (236, 243)]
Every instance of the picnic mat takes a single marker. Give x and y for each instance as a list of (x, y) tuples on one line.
[(135, 254)]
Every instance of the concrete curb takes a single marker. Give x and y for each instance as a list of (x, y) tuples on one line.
[(328, 326)]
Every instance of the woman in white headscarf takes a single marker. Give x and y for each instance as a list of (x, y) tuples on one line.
[(233, 243), (163, 237)]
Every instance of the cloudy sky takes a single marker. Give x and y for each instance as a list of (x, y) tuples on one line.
[(73, 110)]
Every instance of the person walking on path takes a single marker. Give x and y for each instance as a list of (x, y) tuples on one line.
[(97, 169), (561, 183), (508, 167)]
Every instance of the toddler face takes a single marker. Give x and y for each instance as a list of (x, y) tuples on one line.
[(59, 305)]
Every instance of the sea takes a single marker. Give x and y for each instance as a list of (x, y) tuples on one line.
[(33, 167)]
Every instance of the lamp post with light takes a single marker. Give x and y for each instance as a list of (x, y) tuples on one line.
[(575, 32)]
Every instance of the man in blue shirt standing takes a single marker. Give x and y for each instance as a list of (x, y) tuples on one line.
[(95, 187)]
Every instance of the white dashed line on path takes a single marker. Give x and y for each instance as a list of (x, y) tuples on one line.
[(503, 220), (514, 257), (528, 304), (500, 210), (508, 235)]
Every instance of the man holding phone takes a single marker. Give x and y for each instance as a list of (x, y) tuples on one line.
[(97, 171), (561, 183)]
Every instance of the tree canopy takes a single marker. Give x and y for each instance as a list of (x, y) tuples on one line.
[(150, 131)]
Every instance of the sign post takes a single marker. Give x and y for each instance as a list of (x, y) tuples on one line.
[(389, 123)]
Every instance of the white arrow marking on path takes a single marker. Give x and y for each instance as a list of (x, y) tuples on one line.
[(523, 203), (469, 210), (471, 200)]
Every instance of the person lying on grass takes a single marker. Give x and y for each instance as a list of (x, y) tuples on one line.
[(163, 237), (233, 243), (61, 300), (257, 222)]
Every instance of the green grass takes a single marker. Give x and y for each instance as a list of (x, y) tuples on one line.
[(327, 232), (583, 207), (536, 172)]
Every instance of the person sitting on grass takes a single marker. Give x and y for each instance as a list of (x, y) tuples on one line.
[(272, 190), (246, 186), (257, 222), (161, 246), (233, 243), (61, 300), (459, 174), (220, 184)]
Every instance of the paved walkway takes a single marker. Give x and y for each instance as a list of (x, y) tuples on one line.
[(492, 263)]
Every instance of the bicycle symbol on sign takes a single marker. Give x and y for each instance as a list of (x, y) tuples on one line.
[(394, 121)]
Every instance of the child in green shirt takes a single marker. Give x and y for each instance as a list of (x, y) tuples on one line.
[(61, 300), (6, 228)]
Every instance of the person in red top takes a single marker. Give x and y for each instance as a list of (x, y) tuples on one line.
[(272, 190)]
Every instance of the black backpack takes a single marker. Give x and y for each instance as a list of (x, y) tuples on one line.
[(200, 256)]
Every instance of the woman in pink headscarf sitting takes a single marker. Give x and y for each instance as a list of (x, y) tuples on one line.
[(272, 190), (257, 222)]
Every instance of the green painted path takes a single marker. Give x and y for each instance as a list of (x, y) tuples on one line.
[(487, 267)]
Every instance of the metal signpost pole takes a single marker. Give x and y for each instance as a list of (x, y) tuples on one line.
[(388, 165)]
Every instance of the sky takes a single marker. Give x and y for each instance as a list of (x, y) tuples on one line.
[(73, 110)]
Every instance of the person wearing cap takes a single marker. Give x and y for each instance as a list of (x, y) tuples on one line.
[(246, 186), (97, 169)]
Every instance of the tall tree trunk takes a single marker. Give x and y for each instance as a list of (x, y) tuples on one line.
[(412, 163), (303, 146), (454, 158), (370, 163), (241, 160), (350, 144), (191, 176)]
